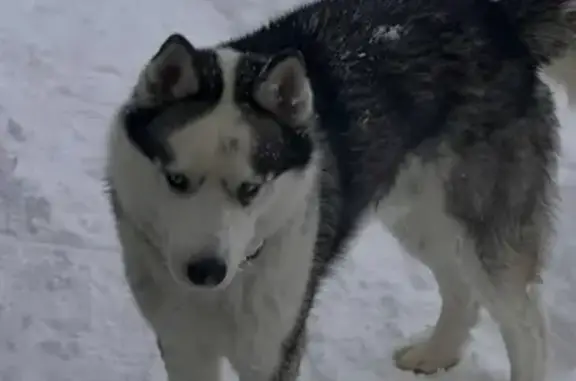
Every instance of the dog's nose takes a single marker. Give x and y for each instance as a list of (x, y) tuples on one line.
[(206, 272)]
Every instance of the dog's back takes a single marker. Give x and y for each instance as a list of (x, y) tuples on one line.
[(389, 76)]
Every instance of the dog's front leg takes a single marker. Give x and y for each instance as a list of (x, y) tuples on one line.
[(185, 360), (279, 363), (270, 335), (188, 335)]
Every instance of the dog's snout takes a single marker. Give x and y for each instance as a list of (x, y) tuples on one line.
[(207, 271)]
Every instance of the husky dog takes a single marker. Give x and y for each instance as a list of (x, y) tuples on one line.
[(239, 173)]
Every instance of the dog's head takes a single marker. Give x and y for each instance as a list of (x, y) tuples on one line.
[(212, 154)]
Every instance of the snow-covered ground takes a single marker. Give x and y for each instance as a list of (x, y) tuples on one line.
[(65, 314)]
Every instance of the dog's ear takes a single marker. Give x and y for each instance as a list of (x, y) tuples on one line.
[(284, 89), (170, 74)]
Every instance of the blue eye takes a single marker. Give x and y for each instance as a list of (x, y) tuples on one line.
[(178, 182), (246, 192)]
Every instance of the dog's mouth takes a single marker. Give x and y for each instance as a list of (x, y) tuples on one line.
[(255, 254)]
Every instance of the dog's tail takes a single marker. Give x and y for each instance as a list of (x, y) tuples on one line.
[(549, 28)]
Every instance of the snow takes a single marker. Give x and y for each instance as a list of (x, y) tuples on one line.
[(65, 312)]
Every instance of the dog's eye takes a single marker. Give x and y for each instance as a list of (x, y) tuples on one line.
[(178, 182), (246, 192)]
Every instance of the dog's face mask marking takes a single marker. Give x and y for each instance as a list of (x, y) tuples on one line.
[(224, 147)]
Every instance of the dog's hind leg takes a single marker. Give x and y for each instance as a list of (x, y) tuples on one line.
[(477, 254), (436, 248), (507, 288), (504, 272), (516, 308), (414, 214), (505, 223), (458, 315), (508, 293)]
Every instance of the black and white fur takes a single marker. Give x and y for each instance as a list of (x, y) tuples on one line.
[(239, 173)]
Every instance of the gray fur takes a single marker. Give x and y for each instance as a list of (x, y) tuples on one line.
[(432, 106)]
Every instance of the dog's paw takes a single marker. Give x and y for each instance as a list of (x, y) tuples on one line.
[(422, 358)]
